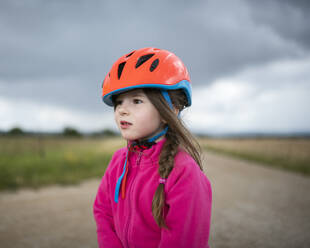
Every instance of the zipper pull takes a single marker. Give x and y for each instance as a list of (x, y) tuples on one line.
[(139, 158)]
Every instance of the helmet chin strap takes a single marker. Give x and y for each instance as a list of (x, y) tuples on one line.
[(148, 143), (144, 144), (168, 99)]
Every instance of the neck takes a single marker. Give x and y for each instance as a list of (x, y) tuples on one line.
[(149, 141), (158, 135)]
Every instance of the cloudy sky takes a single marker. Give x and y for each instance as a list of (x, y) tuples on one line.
[(249, 61)]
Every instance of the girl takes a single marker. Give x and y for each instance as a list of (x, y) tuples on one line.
[(154, 192)]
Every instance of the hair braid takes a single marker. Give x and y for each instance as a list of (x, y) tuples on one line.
[(166, 163), (177, 136)]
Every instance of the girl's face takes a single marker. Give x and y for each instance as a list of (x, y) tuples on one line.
[(135, 116)]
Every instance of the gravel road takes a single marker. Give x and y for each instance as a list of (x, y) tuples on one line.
[(253, 206)]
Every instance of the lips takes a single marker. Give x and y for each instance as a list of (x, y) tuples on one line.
[(125, 124)]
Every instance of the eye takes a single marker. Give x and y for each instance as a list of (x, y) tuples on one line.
[(137, 101)]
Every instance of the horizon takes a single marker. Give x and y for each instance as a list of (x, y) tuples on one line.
[(300, 134)]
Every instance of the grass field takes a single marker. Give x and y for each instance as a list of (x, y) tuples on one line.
[(37, 161), (33, 162), (291, 154)]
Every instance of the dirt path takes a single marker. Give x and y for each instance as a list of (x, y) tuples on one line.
[(253, 206), (256, 206)]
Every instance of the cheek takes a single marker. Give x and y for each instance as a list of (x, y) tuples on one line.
[(154, 117)]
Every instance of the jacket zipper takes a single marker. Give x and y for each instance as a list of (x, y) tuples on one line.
[(139, 158), (131, 189)]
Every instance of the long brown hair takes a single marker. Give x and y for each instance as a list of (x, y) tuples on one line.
[(177, 136)]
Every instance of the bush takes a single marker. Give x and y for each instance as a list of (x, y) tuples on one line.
[(69, 131), (16, 131)]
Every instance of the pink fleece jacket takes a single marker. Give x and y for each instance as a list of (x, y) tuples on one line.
[(130, 223)]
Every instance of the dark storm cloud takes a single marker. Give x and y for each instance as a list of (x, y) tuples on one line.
[(288, 18), (51, 38), (61, 38), (63, 49)]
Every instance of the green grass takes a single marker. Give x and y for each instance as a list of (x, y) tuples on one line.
[(286, 154), (35, 162), (38, 161)]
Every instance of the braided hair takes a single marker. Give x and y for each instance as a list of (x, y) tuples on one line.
[(177, 136)]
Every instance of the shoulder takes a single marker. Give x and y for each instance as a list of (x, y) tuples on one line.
[(184, 162), (120, 152), (113, 169), (185, 168), (186, 176), (118, 157)]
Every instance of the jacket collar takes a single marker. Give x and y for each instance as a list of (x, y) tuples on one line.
[(145, 157)]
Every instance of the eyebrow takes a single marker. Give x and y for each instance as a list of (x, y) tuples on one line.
[(135, 95)]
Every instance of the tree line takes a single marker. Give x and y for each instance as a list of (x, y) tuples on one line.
[(67, 132)]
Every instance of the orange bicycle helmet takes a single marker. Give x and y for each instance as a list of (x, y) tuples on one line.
[(147, 68)]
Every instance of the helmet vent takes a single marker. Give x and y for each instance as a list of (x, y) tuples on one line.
[(130, 54), (154, 65), (120, 69), (143, 59)]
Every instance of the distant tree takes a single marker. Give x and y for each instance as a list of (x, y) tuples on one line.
[(69, 131), (108, 133), (16, 131)]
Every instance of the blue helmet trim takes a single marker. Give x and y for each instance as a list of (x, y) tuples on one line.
[(184, 84), (167, 97)]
